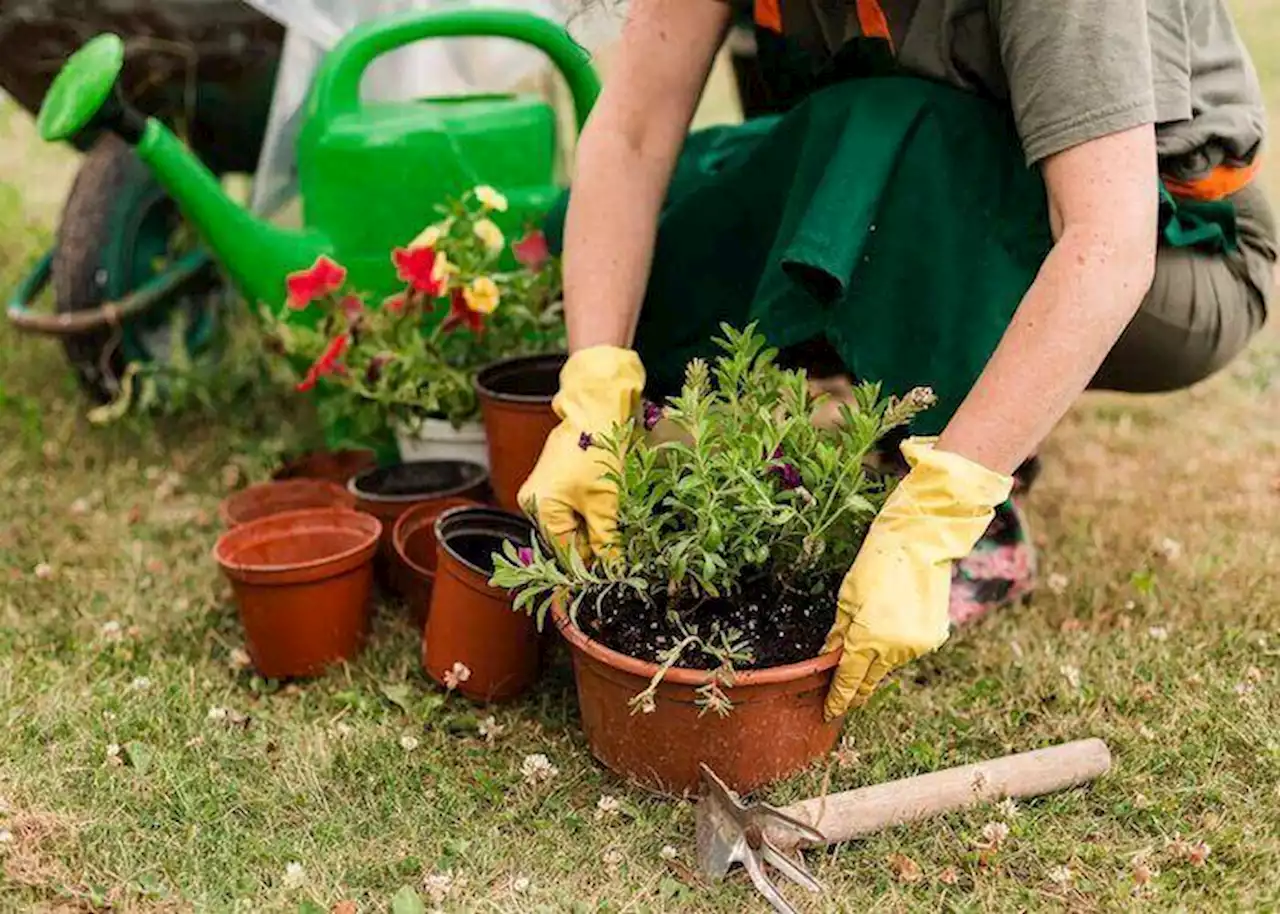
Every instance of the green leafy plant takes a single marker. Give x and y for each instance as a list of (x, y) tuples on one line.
[(415, 355), (731, 489)]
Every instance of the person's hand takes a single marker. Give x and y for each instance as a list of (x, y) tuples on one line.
[(893, 603), (567, 493)]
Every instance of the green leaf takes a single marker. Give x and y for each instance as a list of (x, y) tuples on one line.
[(407, 901), (139, 756), (310, 907), (399, 695)]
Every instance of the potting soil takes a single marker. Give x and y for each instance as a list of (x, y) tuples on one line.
[(780, 624)]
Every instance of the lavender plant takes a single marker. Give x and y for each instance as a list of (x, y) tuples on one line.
[(739, 495)]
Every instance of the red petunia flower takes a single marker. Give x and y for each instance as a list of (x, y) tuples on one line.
[(330, 362), (532, 251), (419, 268), (460, 314), (305, 286)]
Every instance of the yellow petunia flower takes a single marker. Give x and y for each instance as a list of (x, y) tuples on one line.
[(430, 236), (490, 199), (443, 268), (482, 296), (490, 234)]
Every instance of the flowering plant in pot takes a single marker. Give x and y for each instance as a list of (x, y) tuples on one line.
[(409, 361), (737, 520)]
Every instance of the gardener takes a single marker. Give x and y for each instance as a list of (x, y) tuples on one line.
[(890, 215)]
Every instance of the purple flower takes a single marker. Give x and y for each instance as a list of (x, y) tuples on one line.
[(777, 453), (653, 414), (788, 476), (524, 555), (584, 441)]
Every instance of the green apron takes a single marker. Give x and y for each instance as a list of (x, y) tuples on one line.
[(894, 216)]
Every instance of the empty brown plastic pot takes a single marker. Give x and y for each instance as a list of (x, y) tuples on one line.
[(474, 641), (334, 466), (515, 400), (413, 538), (302, 583), (388, 492), (776, 727), (268, 498)]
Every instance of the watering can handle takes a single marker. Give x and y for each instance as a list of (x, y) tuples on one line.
[(337, 89)]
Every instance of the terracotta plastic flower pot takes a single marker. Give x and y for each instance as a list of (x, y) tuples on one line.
[(413, 572), (334, 466), (515, 400), (302, 583), (471, 623), (776, 726), (268, 498), (388, 492)]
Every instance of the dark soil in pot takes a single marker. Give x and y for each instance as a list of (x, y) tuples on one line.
[(515, 401), (782, 624), (388, 492), (471, 624)]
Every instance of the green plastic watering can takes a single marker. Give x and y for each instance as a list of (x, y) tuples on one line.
[(370, 174)]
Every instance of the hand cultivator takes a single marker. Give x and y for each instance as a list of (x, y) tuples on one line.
[(759, 835)]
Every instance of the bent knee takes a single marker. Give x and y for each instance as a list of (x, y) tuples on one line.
[(1200, 313)]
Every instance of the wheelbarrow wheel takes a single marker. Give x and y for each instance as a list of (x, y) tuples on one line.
[(116, 232)]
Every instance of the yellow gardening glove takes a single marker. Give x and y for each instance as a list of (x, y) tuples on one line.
[(893, 603), (573, 502)]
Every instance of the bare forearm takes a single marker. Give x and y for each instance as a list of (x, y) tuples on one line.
[(1086, 293), (609, 238)]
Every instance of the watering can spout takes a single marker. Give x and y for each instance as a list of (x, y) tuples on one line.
[(257, 254)]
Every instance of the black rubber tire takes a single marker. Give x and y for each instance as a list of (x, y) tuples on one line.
[(111, 177)]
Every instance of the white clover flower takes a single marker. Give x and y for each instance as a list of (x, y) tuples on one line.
[(43, 571), (537, 768), (1158, 633), (456, 675), (294, 875), (1061, 875), (995, 834), (408, 743), (489, 729), (607, 807), (1058, 583), (1071, 674), (140, 684), (668, 852)]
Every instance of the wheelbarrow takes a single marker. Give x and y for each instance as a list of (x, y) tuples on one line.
[(120, 264)]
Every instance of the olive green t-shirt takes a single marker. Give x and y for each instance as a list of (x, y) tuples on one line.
[(1072, 70)]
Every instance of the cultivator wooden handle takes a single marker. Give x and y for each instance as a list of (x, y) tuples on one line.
[(855, 813)]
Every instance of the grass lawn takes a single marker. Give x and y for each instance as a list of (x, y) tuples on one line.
[(142, 769)]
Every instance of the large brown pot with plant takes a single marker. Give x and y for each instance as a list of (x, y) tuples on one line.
[(413, 573), (268, 498), (302, 584), (474, 643), (776, 727), (697, 637), (515, 400)]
